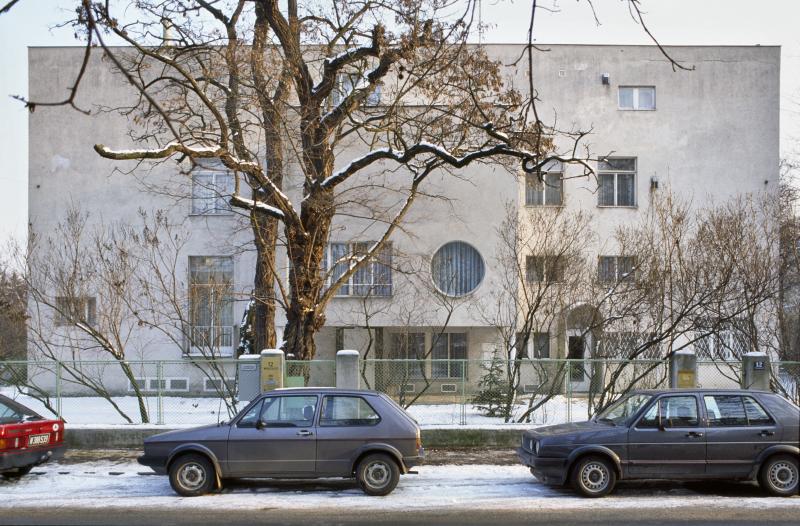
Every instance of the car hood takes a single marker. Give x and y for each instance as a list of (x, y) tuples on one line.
[(209, 432), (578, 432)]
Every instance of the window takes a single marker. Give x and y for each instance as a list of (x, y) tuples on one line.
[(617, 180), (150, 384), (671, 411), (612, 269), (347, 82), (637, 98), (543, 269), (212, 189), (218, 384), (627, 345), (372, 278), (70, 311), (449, 355), (538, 345), (722, 340), (545, 188), (211, 305), (282, 411), (409, 346), (457, 269), (347, 411), (734, 410)]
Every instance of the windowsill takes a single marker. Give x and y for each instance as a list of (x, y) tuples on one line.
[(215, 214), (562, 205), (636, 109), (225, 352), (624, 207), (366, 296)]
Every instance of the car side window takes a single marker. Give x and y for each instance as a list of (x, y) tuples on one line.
[(340, 410), (756, 415), (725, 410), (251, 417), (675, 411), (289, 411)]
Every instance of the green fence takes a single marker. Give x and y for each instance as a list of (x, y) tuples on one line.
[(436, 392)]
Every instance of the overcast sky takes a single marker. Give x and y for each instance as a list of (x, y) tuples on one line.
[(674, 22)]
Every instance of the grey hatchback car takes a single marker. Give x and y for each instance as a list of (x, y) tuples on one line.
[(677, 434), (294, 433)]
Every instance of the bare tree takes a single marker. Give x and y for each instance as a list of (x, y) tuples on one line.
[(250, 84), (101, 294)]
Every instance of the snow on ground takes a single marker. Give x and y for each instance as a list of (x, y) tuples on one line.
[(184, 411), (125, 483)]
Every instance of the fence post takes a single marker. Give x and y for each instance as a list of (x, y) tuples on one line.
[(160, 379), (755, 371), (683, 370), (568, 379), (347, 376), (273, 369), (58, 389), (464, 395)]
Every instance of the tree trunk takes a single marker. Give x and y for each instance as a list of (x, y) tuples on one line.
[(265, 233)]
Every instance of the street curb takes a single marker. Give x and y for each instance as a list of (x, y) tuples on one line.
[(121, 438)]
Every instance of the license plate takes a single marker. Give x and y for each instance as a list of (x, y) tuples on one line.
[(38, 440)]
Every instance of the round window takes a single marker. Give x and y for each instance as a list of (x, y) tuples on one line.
[(457, 268)]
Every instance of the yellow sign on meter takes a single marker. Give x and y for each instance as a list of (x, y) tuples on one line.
[(271, 373)]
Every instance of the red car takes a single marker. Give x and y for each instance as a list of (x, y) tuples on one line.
[(27, 439)]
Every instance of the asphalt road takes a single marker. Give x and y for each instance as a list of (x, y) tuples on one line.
[(334, 516), (105, 488)]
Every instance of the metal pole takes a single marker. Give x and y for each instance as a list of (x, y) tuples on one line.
[(160, 376), (58, 389), (569, 391)]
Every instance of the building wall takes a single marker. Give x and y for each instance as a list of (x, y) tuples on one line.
[(714, 134)]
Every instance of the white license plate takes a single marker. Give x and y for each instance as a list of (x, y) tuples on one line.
[(38, 440)]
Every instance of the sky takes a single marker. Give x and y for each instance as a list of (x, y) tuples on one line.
[(674, 22)]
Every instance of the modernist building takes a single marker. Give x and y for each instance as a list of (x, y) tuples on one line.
[(707, 134)]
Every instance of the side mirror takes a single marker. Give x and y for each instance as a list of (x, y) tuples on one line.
[(260, 424)]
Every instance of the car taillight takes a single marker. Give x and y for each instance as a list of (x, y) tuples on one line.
[(3, 443), (419, 439)]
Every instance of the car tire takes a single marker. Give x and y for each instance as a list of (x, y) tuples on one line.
[(17, 473), (377, 474), (593, 477), (191, 475), (780, 476)]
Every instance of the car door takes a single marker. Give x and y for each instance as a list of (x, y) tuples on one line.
[(668, 439), (739, 429), (275, 437), (346, 423)]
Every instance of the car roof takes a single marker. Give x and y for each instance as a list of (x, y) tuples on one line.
[(323, 390), (698, 390)]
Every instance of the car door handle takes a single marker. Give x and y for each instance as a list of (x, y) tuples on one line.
[(767, 433), (694, 434), (304, 433)]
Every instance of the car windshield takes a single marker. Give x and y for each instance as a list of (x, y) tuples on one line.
[(622, 409), (12, 412)]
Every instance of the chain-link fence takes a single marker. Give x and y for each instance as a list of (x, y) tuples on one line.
[(436, 392)]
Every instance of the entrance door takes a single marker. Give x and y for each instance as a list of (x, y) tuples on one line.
[(277, 436), (579, 349)]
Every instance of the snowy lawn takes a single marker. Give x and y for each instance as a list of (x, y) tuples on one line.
[(125, 483), (185, 412)]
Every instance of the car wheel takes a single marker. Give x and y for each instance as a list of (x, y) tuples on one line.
[(17, 473), (780, 475), (593, 477), (191, 475), (377, 474)]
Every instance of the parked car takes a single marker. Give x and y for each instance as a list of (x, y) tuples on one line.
[(27, 439), (678, 434), (294, 433)]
